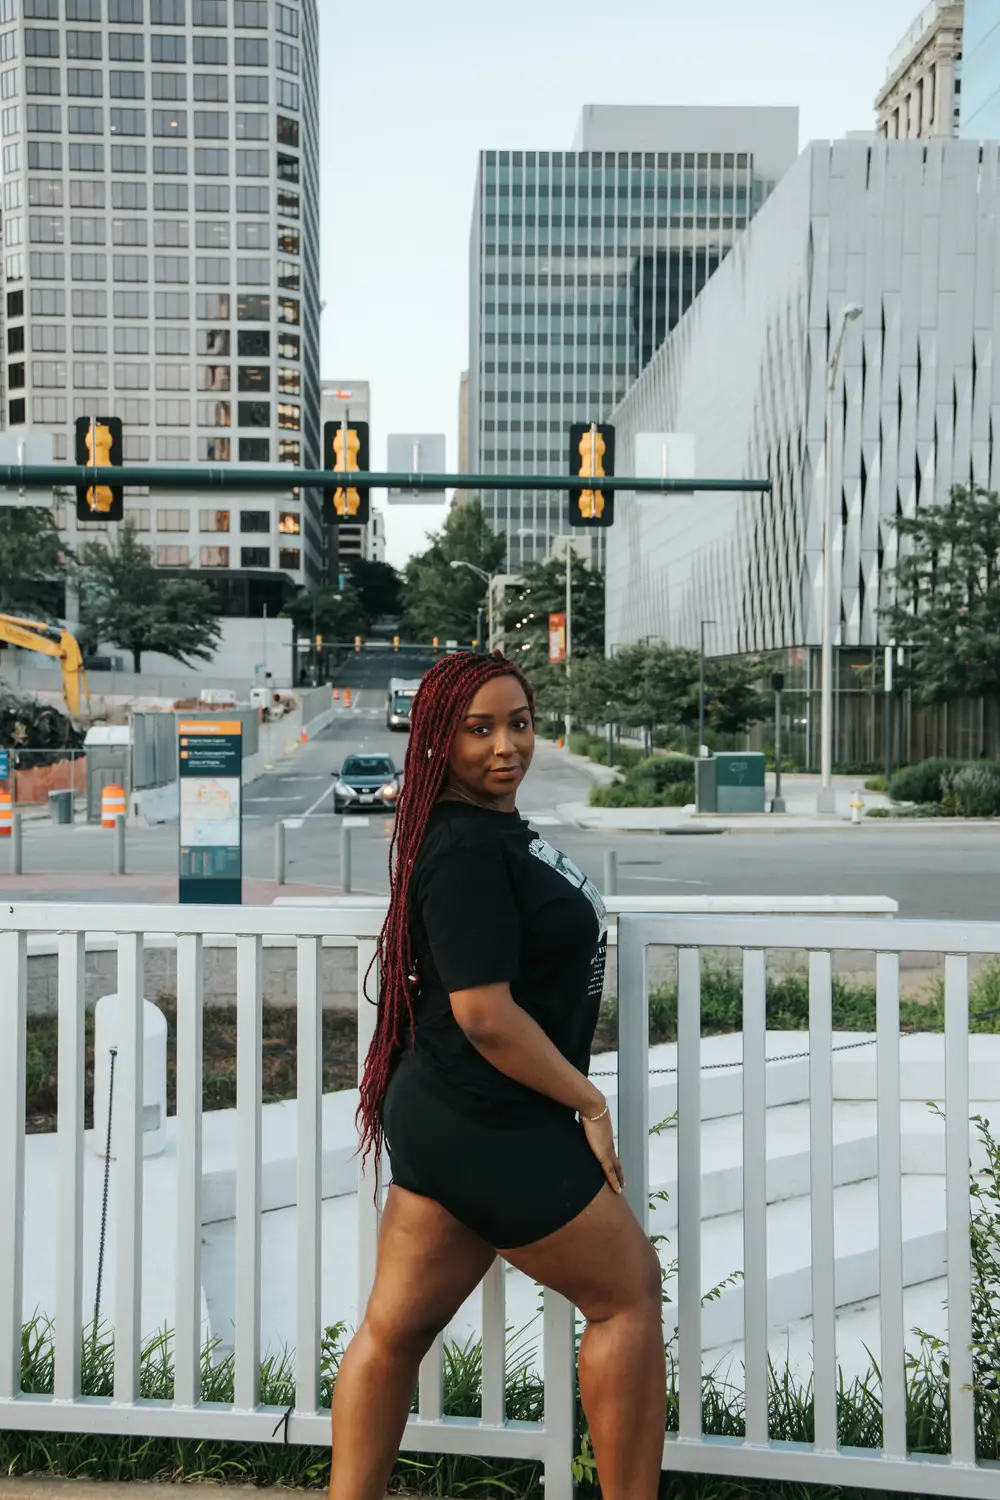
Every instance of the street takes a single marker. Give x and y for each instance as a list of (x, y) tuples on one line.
[(932, 873)]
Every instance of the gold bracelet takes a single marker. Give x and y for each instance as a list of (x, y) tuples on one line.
[(593, 1119)]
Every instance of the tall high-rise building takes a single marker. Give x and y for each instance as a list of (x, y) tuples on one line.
[(161, 260), (582, 262), (981, 71), (920, 99)]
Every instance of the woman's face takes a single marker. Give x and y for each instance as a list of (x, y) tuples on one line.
[(493, 745)]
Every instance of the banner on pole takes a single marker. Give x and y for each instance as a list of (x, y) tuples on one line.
[(557, 638)]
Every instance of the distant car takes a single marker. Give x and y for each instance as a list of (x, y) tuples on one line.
[(366, 781)]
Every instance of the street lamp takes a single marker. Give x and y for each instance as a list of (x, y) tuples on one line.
[(488, 580), (701, 691), (826, 802)]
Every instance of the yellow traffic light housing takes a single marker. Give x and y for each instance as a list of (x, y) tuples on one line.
[(99, 446), (592, 456), (345, 451), (395, 643), (357, 644)]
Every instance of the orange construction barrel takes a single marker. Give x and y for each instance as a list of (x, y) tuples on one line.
[(6, 814), (112, 805), (347, 697)]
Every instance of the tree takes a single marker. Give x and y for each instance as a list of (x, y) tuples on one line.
[(379, 588), (439, 600), (32, 562), (126, 600), (946, 589), (334, 613), (650, 687), (527, 610)]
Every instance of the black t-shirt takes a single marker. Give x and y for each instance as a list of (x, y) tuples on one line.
[(491, 902)]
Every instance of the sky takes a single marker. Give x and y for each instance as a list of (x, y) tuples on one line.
[(411, 92)]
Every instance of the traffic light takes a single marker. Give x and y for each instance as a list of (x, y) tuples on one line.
[(99, 445), (346, 505), (319, 643), (357, 644), (591, 454), (434, 643), (395, 643)]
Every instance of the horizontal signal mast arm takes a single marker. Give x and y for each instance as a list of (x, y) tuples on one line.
[(218, 477)]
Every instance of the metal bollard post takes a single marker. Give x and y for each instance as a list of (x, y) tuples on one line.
[(345, 858), (119, 866), (279, 852), (610, 873), (16, 845)]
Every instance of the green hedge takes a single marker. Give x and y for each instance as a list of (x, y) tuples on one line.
[(661, 781), (921, 783)]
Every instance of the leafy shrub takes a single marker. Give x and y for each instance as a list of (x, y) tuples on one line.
[(580, 742), (921, 783), (972, 792), (666, 770), (875, 784)]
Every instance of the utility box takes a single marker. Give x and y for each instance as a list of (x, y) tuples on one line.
[(705, 787), (108, 749), (739, 781)]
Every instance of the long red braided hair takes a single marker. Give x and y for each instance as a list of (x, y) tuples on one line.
[(438, 708)]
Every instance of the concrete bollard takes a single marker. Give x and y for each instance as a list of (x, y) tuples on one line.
[(610, 873), (279, 853), (16, 845), (119, 862)]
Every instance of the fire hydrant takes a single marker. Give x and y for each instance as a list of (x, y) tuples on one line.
[(856, 807)]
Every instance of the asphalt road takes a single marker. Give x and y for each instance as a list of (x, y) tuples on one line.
[(935, 872)]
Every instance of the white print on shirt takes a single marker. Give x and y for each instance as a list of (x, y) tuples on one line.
[(565, 867)]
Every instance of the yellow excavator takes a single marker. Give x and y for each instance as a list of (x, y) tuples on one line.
[(51, 640)]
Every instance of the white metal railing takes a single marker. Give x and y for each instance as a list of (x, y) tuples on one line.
[(552, 1441)]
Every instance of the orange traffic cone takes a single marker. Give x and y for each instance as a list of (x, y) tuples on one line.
[(347, 697)]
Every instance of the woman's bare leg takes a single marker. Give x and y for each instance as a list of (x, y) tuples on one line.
[(604, 1264), (427, 1265)]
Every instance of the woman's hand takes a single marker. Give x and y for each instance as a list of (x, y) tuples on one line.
[(601, 1140)]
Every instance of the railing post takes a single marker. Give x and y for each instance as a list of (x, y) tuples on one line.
[(610, 873), (633, 1065), (279, 852), (16, 845), (345, 858), (119, 866)]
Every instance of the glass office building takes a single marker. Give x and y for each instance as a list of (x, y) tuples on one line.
[(161, 260), (981, 71), (581, 264)]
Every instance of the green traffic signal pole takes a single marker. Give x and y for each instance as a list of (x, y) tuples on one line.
[(234, 477)]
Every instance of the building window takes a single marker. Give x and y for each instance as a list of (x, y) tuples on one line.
[(16, 412), (140, 517), (254, 413), (288, 93), (84, 44), (289, 523), (214, 520), (15, 377), (289, 557), (289, 345), (171, 268), (174, 447), (212, 198), (128, 121), (127, 85), (287, 57), (211, 87), (213, 378), (288, 310), (213, 340), (131, 377), (126, 46), (173, 341), (214, 557), (171, 232), (253, 236), (88, 231), (46, 338), (253, 200), (215, 414), (289, 451), (212, 234), (255, 520), (173, 377), (251, 52), (15, 340), (255, 272), (129, 231), (168, 49), (248, 163), (130, 341), (42, 80), (83, 10), (44, 372), (169, 159), (170, 122), (251, 89), (208, 12), (87, 156), (252, 308), (288, 276), (130, 267), (135, 447), (134, 412), (131, 304), (89, 267), (288, 168), (250, 14), (170, 197), (254, 378), (15, 305), (88, 119), (166, 12), (212, 305), (125, 12), (87, 340), (128, 158), (90, 375), (254, 343), (251, 126), (288, 239), (288, 131), (211, 51), (39, 42), (45, 117), (48, 265), (126, 194), (48, 409), (288, 203), (173, 305), (211, 124), (211, 161), (88, 83), (169, 86), (170, 413), (214, 450), (46, 229), (90, 303), (39, 10), (289, 416), (173, 557), (255, 557)]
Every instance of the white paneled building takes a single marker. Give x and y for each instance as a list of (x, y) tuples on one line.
[(160, 197), (910, 232)]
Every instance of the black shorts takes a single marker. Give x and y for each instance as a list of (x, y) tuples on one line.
[(511, 1184)]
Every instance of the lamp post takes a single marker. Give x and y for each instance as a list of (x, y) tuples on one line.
[(826, 802), (701, 691), (488, 580)]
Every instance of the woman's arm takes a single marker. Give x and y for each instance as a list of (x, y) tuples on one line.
[(516, 1045)]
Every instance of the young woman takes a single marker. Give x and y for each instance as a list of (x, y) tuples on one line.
[(491, 971)]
